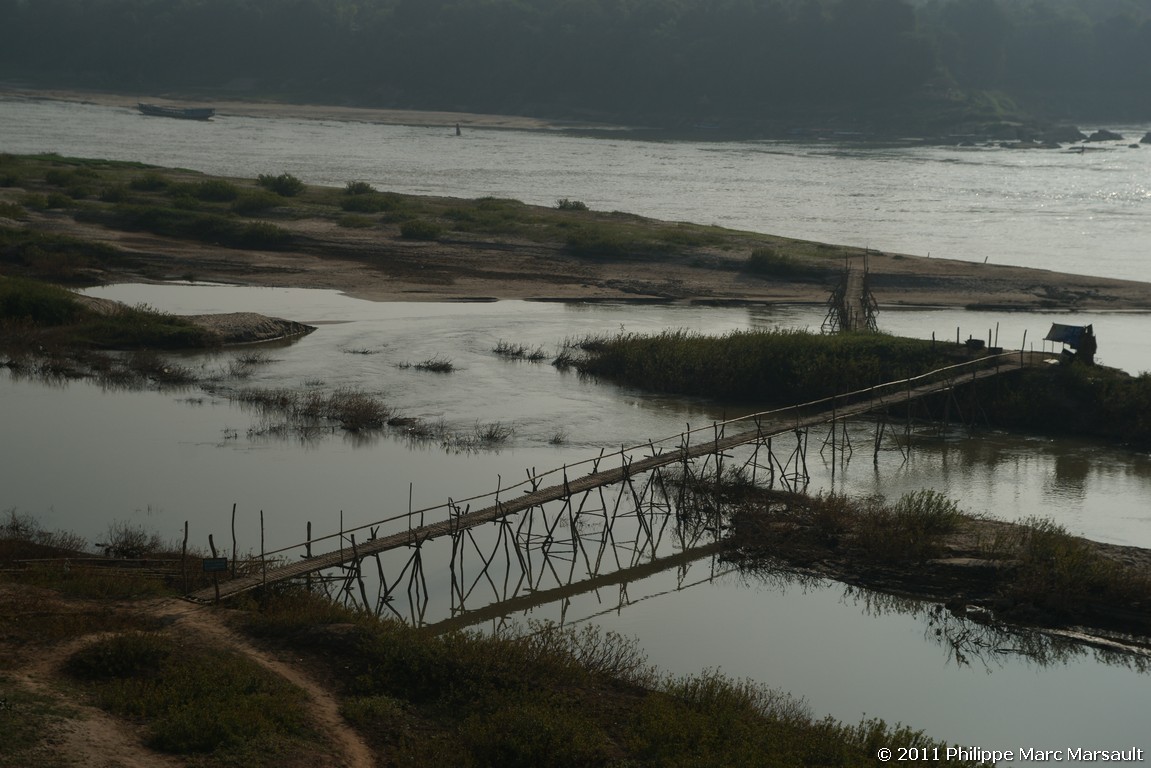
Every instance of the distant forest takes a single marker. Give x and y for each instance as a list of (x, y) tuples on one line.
[(657, 62)]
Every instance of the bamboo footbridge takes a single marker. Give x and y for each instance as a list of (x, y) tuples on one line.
[(711, 441)]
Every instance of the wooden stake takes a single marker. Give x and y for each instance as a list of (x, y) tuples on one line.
[(233, 539), (215, 575), (184, 558), (263, 562)]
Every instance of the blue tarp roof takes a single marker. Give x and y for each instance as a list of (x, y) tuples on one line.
[(1068, 334)]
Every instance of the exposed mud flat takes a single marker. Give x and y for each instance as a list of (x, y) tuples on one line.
[(249, 327)]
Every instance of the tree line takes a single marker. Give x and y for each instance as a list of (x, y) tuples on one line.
[(662, 62)]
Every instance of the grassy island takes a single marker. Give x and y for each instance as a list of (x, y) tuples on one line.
[(781, 368)]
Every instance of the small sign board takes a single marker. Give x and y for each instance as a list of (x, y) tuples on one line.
[(215, 564)]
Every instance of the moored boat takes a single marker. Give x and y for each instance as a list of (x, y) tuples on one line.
[(183, 113)]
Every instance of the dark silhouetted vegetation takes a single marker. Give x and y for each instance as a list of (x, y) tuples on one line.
[(195, 700), (553, 697), (1079, 400), (46, 315), (788, 367), (421, 229), (52, 256), (216, 228), (863, 63), (285, 185), (768, 262), (1032, 572), (781, 367), (358, 188)]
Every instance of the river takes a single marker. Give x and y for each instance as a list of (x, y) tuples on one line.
[(79, 456), (1080, 212)]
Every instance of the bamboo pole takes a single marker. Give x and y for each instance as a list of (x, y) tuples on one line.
[(263, 560), (308, 556), (233, 539), (215, 575), (184, 558)]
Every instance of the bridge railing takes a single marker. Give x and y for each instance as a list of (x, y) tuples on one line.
[(880, 395)]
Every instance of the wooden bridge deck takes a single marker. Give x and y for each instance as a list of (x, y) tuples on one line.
[(775, 423)]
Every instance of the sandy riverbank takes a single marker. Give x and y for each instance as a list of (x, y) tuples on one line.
[(377, 263), (382, 266), (236, 104)]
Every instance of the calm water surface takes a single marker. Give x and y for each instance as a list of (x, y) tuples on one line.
[(78, 457)]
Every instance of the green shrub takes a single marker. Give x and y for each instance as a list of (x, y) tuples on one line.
[(768, 262), (136, 327), (358, 188), (564, 204), (58, 177), (285, 185), (355, 221), (56, 200), (910, 530), (53, 257), (12, 211), (256, 201), (149, 182), (420, 229), (372, 202), (261, 235), (126, 540), (598, 242), (928, 512), (186, 201), (216, 191), (194, 700), (135, 654), (206, 227), (39, 303), (491, 203), (116, 193), (524, 733), (35, 201), (687, 236), (1064, 576)]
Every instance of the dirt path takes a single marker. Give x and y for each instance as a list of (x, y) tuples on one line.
[(86, 736), (324, 707), (90, 737)]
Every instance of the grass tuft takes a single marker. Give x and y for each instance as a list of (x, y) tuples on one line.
[(512, 351), (435, 364)]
